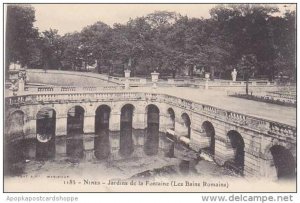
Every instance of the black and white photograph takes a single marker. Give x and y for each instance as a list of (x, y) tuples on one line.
[(150, 97)]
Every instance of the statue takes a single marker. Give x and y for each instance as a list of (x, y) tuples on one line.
[(233, 75)]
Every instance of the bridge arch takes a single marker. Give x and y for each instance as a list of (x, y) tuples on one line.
[(238, 146), (101, 140), (152, 113), (126, 140), (45, 124), (283, 161), (171, 118), (102, 115), (75, 120), (209, 130), (152, 132), (187, 123), (45, 133)]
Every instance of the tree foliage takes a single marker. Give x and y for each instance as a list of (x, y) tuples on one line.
[(20, 35), (167, 42)]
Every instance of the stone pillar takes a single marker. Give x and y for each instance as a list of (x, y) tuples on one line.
[(127, 76), (163, 123), (199, 140), (30, 128), (267, 168), (223, 151), (138, 120), (114, 121), (61, 126), (181, 129), (89, 123), (154, 77)]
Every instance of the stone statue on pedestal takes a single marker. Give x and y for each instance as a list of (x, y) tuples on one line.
[(233, 75)]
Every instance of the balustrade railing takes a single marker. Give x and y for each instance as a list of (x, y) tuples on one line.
[(72, 88), (262, 125)]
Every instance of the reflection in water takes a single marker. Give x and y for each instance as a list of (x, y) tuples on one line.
[(102, 144), (75, 148), (45, 150), (284, 162), (126, 141), (189, 166), (152, 134), (75, 119), (152, 139), (14, 158), (45, 145), (183, 163), (184, 166)]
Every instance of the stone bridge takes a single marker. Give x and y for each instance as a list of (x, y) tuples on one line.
[(260, 147)]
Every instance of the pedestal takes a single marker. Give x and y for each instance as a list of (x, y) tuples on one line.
[(154, 77), (206, 84), (127, 76)]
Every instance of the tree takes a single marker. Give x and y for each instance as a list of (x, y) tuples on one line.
[(95, 44), (20, 34), (52, 47), (247, 66), (71, 56), (247, 27)]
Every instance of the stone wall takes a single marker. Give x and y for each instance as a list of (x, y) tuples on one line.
[(257, 142)]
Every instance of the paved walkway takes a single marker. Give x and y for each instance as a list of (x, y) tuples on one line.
[(219, 99)]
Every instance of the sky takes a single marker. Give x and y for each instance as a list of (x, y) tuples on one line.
[(73, 17)]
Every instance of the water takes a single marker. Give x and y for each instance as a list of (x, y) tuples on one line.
[(126, 154)]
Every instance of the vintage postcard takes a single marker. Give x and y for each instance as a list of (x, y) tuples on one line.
[(150, 98)]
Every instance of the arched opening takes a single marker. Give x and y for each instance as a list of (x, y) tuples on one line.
[(237, 143), (187, 123), (45, 133), (171, 119), (126, 141), (152, 134), (101, 140), (209, 129), (75, 121), (284, 162)]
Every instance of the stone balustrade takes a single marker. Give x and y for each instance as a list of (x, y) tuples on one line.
[(258, 124), (72, 88)]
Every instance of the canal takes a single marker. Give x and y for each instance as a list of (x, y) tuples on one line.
[(139, 154)]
